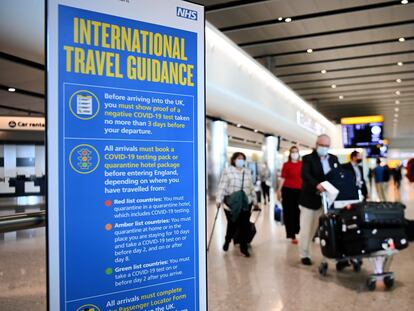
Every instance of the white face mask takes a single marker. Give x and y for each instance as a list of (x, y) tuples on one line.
[(322, 151), (239, 163), (294, 156)]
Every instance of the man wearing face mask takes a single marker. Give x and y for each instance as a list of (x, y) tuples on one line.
[(355, 168), (315, 167)]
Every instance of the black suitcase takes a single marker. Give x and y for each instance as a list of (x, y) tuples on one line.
[(329, 235), (409, 229), (374, 215), (365, 241)]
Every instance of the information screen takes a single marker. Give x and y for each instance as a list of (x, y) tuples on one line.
[(378, 151), (362, 135)]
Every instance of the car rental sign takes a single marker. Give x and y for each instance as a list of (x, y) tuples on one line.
[(126, 159)]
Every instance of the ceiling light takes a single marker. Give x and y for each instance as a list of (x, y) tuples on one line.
[(280, 19), (238, 125), (309, 50), (404, 1), (396, 109), (256, 131), (288, 20), (395, 121), (396, 115), (341, 97), (12, 89), (397, 102), (398, 80), (333, 86), (398, 92), (323, 71), (401, 39), (400, 63)]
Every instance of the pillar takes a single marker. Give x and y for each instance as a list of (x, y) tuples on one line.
[(217, 156)]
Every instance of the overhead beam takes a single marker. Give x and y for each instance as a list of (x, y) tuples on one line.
[(335, 47), (21, 91), (28, 111), (340, 86), (345, 59), (271, 22), (232, 5), (324, 33), (350, 77), (340, 69), (362, 96), (22, 61)]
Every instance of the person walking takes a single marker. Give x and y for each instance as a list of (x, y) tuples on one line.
[(264, 175), (354, 166), (315, 167), (288, 192), (235, 178), (381, 180)]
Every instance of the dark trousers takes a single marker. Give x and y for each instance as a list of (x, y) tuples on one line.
[(266, 191), (291, 212), (241, 226)]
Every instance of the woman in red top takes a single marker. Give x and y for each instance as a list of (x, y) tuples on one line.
[(289, 191)]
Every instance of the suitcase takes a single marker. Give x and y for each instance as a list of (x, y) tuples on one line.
[(278, 213), (329, 235), (374, 215), (409, 229), (366, 241)]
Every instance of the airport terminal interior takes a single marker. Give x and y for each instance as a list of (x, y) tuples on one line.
[(279, 73)]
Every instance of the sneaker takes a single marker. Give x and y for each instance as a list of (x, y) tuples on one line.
[(258, 209), (294, 241), (226, 246), (306, 261), (245, 252)]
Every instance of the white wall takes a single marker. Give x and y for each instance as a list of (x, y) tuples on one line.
[(241, 90)]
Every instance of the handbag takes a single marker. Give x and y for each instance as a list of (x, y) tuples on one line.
[(237, 201)]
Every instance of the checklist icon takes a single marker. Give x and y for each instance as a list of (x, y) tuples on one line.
[(84, 104)]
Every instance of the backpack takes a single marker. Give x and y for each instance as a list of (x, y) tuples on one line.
[(386, 173)]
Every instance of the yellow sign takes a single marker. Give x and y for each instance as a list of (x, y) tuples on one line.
[(362, 120)]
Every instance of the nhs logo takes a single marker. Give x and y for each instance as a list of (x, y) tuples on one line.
[(187, 13)]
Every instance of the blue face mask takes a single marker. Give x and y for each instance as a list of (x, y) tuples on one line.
[(239, 163), (322, 151)]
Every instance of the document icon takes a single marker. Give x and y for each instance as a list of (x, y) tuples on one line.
[(84, 104)]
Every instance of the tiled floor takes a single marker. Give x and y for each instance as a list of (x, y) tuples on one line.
[(272, 279)]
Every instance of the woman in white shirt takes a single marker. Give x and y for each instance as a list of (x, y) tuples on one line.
[(234, 178)]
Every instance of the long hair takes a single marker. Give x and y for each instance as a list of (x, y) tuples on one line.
[(290, 151), (235, 156)]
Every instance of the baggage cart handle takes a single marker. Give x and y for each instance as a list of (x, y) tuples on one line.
[(325, 203)]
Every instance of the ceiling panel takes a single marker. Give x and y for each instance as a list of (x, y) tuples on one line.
[(270, 10), (349, 21)]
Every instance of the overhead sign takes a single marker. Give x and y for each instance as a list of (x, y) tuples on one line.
[(363, 120), (22, 123), (307, 122), (126, 172)]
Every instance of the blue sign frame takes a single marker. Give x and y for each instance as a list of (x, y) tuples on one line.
[(125, 155)]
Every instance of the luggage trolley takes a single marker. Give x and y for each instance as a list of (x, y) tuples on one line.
[(380, 260)]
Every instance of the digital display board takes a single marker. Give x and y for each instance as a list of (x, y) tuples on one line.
[(362, 132), (377, 151)]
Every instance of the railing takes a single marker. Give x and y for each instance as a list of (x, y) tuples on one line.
[(22, 221)]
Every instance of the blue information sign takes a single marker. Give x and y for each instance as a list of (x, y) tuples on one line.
[(126, 155)]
